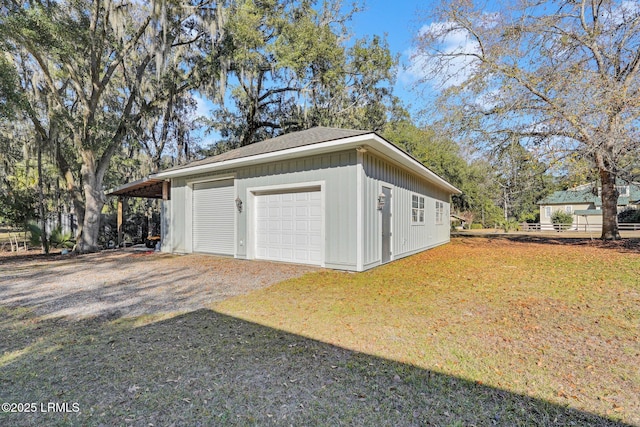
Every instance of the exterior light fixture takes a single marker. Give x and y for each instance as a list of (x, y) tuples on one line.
[(239, 204), (381, 201)]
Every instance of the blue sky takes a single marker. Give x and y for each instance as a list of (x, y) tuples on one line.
[(400, 21)]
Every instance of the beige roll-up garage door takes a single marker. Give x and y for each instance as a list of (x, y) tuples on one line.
[(289, 226), (213, 217)]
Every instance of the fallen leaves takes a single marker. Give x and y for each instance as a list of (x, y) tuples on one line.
[(515, 315)]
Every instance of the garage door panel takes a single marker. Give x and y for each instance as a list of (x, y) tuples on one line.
[(213, 217), (287, 239), (302, 240), (315, 241), (274, 225), (293, 223), (274, 239), (274, 253), (315, 225), (315, 257)]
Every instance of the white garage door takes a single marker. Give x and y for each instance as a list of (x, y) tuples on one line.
[(289, 227), (213, 217)]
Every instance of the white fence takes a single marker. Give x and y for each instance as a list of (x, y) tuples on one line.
[(67, 222), (575, 227)]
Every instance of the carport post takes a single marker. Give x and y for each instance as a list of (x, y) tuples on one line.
[(120, 218), (165, 190)]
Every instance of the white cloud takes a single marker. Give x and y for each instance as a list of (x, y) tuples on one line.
[(622, 14), (426, 67), (203, 106)]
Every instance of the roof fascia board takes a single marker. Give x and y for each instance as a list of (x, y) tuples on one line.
[(406, 161), (310, 149)]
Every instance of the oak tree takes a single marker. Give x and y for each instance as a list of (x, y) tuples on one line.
[(97, 67), (561, 76)]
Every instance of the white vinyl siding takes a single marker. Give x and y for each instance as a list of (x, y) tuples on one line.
[(213, 217), (289, 227), (417, 209)]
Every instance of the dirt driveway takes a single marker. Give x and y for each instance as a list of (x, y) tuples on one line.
[(127, 283)]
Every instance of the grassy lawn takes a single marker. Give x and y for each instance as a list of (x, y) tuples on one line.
[(558, 322), (6, 233), (477, 332)]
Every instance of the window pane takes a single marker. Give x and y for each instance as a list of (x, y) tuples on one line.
[(421, 202), (421, 216), (414, 215)]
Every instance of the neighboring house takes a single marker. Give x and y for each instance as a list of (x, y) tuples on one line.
[(343, 199), (585, 205)]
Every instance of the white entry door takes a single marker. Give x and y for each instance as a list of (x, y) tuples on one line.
[(213, 217), (289, 226)]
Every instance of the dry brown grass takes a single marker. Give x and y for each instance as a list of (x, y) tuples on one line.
[(477, 332), (556, 321)]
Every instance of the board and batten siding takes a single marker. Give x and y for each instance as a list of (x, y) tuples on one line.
[(407, 238), (336, 170), (352, 222)]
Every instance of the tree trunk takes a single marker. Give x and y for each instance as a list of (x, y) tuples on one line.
[(94, 202), (609, 206), (41, 209), (91, 224)]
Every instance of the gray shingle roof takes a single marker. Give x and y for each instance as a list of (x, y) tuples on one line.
[(311, 136)]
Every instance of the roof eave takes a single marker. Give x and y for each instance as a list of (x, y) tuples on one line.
[(370, 139), (139, 185)]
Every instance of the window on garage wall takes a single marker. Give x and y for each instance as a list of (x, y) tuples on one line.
[(417, 209), (439, 212)]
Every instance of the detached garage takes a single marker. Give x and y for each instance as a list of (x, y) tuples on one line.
[(337, 198)]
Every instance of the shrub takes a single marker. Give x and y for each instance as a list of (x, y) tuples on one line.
[(475, 226), (561, 220), (57, 239), (629, 216), (530, 217), (509, 225), (62, 239)]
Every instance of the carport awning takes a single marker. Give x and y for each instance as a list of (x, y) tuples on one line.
[(150, 188)]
